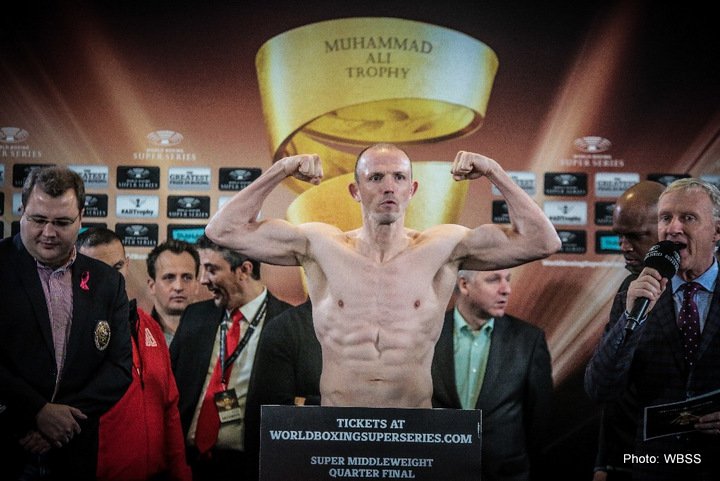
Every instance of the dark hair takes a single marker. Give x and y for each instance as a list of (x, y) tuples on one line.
[(234, 258), (96, 236), (54, 181), (382, 145), (176, 247)]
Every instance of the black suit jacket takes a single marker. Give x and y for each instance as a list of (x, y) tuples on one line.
[(288, 363), (515, 397), (650, 361), (94, 377), (192, 347), (618, 420)]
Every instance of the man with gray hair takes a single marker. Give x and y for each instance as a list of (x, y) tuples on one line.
[(140, 436), (486, 359), (674, 352)]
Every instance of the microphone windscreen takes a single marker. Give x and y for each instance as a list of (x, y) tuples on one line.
[(664, 258)]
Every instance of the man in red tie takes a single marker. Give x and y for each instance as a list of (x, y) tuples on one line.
[(674, 352), (213, 354)]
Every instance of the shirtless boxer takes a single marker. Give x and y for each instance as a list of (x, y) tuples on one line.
[(379, 293)]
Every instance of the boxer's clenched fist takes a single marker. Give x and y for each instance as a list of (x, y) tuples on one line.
[(471, 166), (305, 167)]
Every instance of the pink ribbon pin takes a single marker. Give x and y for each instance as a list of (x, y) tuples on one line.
[(84, 278)]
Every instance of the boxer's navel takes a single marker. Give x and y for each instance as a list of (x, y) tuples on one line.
[(341, 304), (417, 303)]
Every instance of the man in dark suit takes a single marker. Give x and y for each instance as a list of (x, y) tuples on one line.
[(65, 355), (289, 360), (288, 365), (488, 360), (234, 281), (635, 223), (654, 359)]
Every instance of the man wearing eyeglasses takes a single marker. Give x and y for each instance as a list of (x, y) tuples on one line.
[(65, 355)]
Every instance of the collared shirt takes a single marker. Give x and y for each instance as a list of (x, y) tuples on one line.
[(232, 435), (57, 286), (471, 355), (702, 297)]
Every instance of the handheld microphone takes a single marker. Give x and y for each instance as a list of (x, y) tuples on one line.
[(664, 258)]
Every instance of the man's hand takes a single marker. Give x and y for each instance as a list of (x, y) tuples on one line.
[(34, 442), (709, 423), (649, 284), (305, 167), (599, 476), (471, 166), (58, 422)]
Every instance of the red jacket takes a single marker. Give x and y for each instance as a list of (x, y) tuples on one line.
[(141, 436)]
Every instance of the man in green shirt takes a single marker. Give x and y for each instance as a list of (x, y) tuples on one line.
[(488, 360)]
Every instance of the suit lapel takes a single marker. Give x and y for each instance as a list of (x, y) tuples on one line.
[(82, 304), (206, 332), (273, 306), (712, 322), (496, 357), (445, 361), (666, 318), (26, 267)]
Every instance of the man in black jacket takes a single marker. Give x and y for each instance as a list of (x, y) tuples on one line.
[(635, 222), (234, 281), (488, 360), (288, 367), (65, 355), (655, 359)]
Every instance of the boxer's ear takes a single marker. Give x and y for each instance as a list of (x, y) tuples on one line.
[(414, 188), (354, 191)]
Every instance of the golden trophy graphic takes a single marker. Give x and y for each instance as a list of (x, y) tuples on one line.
[(331, 86)]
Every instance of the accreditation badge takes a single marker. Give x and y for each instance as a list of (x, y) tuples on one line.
[(102, 335), (227, 406)]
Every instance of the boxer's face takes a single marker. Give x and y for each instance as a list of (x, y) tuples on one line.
[(384, 186)]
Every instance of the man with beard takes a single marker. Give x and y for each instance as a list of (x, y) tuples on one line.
[(635, 222), (213, 398)]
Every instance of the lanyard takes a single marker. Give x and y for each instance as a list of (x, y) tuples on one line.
[(259, 317)]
